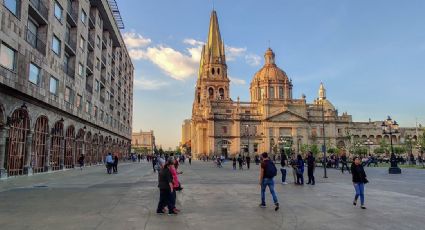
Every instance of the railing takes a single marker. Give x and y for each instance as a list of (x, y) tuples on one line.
[(72, 13), (92, 21), (102, 79), (35, 42), (113, 91), (91, 42), (113, 72), (70, 42), (104, 59), (90, 63), (41, 8)]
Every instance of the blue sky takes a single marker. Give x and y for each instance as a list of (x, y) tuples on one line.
[(369, 54)]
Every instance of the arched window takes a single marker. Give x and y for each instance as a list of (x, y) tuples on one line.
[(218, 71), (88, 150), (56, 147), (69, 146), (18, 132), (212, 71), (39, 153), (79, 142), (271, 92), (221, 92), (95, 149), (211, 93), (101, 149)]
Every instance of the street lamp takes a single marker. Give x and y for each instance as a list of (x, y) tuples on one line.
[(368, 142), (247, 134), (391, 127), (324, 142)]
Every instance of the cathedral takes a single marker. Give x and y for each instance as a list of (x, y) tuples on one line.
[(273, 121)]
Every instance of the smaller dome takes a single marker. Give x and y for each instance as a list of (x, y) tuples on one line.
[(327, 105), (270, 71)]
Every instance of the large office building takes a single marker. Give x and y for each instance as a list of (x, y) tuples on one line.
[(273, 119), (66, 84)]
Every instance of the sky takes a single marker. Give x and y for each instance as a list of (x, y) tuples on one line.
[(370, 55)]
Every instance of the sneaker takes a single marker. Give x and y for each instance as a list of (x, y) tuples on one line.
[(172, 213), (263, 206), (354, 203), (160, 212), (276, 206), (363, 207)]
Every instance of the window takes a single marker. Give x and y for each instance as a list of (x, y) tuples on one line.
[(68, 95), (83, 16), (88, 107), (32, 32), (80, 69), (97, 86), (12, 6), (281, 92), (271, 92), (79, 99), (98, 41), (108, 96), (7, 57), (224, 129), (95, 111), (34, 74), (97, 63), (82, 42), (101, 115), (58, 11), (56, 45), (54, 83)]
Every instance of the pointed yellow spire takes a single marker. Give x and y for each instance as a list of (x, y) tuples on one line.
[(201, 63), (322, 91), (215, 45)]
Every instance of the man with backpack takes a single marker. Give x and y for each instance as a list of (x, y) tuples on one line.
[(267, 172)]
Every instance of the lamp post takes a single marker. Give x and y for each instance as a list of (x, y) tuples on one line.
[(390, 127), (247, 134), (324, 142), (368, 142)]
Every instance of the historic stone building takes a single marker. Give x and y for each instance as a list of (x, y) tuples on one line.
[(66, 84), (143, 140), (272, 119)]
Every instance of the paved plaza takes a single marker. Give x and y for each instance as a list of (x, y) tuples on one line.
[(213, 198)]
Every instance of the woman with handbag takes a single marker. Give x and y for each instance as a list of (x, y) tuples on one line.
[(359, 181)]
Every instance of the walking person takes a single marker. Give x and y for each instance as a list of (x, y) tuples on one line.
[(267, 172), (176, 183), (109, 162), (154, 163), (234, 163), (115, 164), (165, 185), (190, 160), (240, 160), (300, 170), (294, 168), (344, 163), (359, 181), (311, 165), (283, 162), (81, 161), (248, 161)]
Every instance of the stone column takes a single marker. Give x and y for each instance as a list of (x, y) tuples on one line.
[(28, 151), (4, 133), (62, 153), (47, 167)]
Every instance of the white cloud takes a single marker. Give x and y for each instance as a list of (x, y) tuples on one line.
[(147, 84), (253, 59), (234, 52), (193, 42), (134, 40), (237, 81)]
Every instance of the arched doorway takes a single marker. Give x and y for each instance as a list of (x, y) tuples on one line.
[(89, 152), (69, 147), (95, 149), (224, 148), (101, 149), (56, 149), (18, 132), (39, 147), (79, 142)]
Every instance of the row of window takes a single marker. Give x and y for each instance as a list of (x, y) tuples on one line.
[(261, 92)]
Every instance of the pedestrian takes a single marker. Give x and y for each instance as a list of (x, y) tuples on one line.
[(176, 183), (248, 161), (165, 185), (81, 161), (300, 170), (240, 160), (190, 160), (311, 165), (294, 168), (267, 172), (109, 162), (234, 163), (115, 164), (154, 162), (344, 163), (283, 162), (139, 157), (359, 181)]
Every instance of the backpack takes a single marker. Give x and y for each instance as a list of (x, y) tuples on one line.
[(270, 170)]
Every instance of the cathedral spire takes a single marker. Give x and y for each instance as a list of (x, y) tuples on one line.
[(215, 46), (322, 91)]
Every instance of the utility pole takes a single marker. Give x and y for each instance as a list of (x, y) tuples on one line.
[(324, 142)]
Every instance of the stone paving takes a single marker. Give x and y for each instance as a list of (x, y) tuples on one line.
[(213, 198)]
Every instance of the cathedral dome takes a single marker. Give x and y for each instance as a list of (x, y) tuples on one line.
[(270, 71)]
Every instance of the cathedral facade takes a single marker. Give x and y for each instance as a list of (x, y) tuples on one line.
[(273, 120)]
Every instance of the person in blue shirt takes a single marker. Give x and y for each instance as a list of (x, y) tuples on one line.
[(109, 162), (300, 170)]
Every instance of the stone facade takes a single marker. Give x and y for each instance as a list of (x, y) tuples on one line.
[(66, 85), (143, 140), (273, 119)]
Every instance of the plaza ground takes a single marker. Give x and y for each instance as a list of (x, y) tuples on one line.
[(213, 198)]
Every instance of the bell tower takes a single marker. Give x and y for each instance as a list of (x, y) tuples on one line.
[(212, 83)]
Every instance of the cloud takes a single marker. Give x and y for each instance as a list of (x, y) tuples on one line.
[(193, 42), (237, 81), (147, 84), (134, 40), (234, 52), (253, 59)]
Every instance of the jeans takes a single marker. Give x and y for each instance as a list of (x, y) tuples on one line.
[(173, 198), (359, 187), (268, 182), (310, 173), (165, 199), (300, 177), (346, 166), (283, 171)]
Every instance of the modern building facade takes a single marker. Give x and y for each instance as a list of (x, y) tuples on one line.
[(66, 84), (143, 141), (273, 119)]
